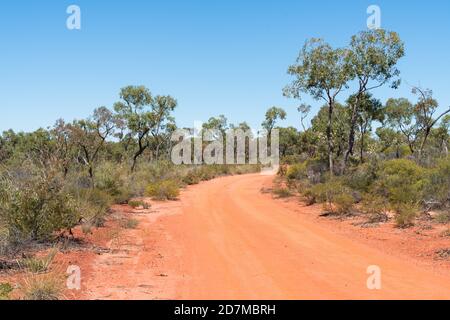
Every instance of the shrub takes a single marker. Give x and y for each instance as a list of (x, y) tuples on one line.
[(443, 217), (39, 265), (297, 172), (335, 196), (35, 206), (405, 215), (439, 188), (136, 204), (282, 192), (375, 207), (5, 291), (192, 177), (43, 287), (344, 203), (402, 182), (112, 180), (130, 223), (163, 190), (362, 177), (94, 205)]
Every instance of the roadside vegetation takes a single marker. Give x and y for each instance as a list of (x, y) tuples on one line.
[(360, 155), (55, 179)]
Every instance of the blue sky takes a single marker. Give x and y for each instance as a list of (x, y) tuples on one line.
[(215, 56)]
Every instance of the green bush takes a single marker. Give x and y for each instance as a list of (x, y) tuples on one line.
[(129, 223), (344, 203), (36, 206), (163, 190), (401, 181), (443, 218), (39, 265), (297, 172), (113, 180), (335, 195), (192, 177), (5, 291), (439, 188), (375, 207), (94, 205), (405, 215), (282, 192), (43, 287)]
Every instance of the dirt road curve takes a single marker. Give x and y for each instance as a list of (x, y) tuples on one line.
[(227, 240)]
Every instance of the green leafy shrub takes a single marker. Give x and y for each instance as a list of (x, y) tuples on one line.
[(39, 265), (336, 197), (344, 203), (405, 215), (297, 172), (5, 291), (94, 205), (192, 177), (282, 192), (136, 204), (129, 223), (362, 177), (35, 206), (43, 287), (439, 187), (375, 207), (112, 179), (163, 190), (443, 217), (401, 181)]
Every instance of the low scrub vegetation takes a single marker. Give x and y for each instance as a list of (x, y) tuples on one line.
[(399, 186)]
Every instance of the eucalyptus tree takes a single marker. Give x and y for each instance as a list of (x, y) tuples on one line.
[(162, 123), (90, 135), (322, 72), (400, 116), (372, 59), (370, 110), (272, 116), (425, 110)]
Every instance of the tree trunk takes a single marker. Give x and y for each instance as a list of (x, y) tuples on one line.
[(351, 136), (330, 137)]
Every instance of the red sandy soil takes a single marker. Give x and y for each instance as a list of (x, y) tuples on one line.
[(225, 239)]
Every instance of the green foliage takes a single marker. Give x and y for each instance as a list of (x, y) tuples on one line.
[(282, 192), (401, 181), (39, 265), (163, 190), (406, 213), (35, 204), (335, 195), (129, 223), (47, 287), (439, 187), (375, 207), (5, 291), (443, 218), (297, 171), (94, 205), (137, 204), (113, 180)]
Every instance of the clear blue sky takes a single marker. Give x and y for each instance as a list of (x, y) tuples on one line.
[(215, 56)]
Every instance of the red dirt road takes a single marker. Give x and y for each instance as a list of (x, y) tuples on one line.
[(225, 239)]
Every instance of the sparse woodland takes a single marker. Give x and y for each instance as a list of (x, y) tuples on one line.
[(357, 155)]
